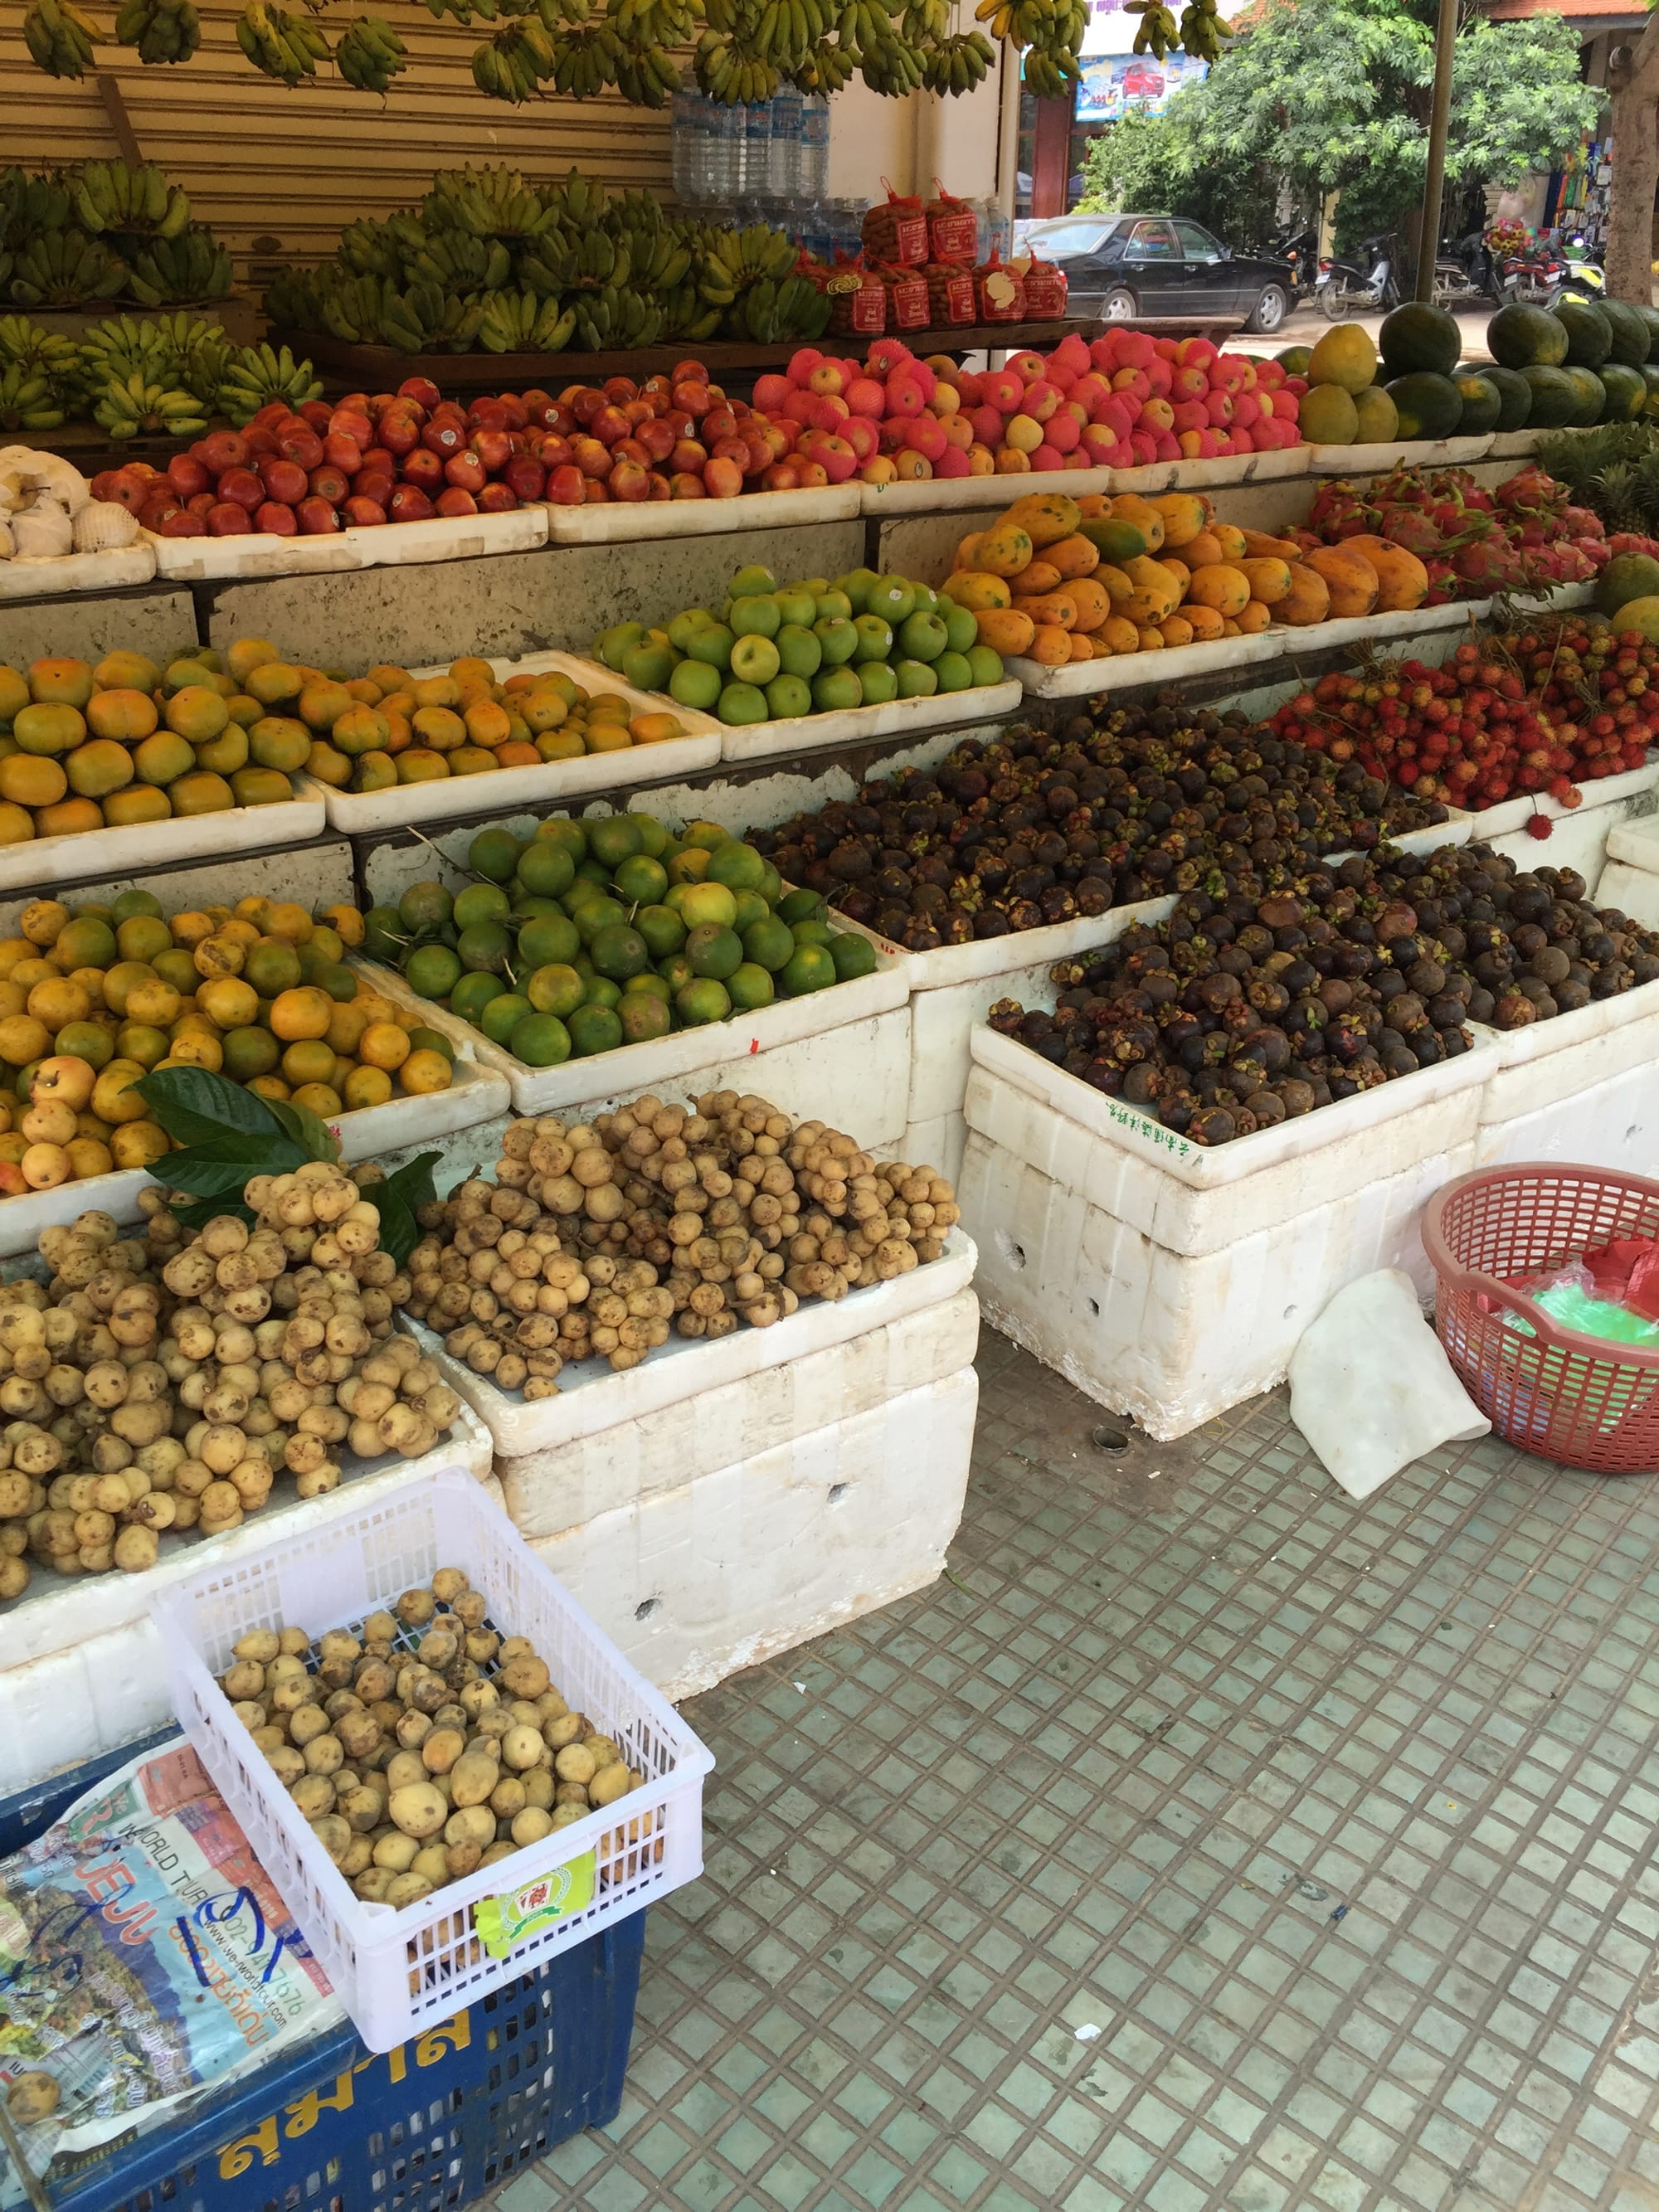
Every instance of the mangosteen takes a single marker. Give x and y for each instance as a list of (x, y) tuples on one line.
[(1482, 1004), (1213, 1125), (1514, 1010)]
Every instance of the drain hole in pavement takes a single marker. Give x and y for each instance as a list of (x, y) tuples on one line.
[(1108, 1439), (837, 1491), (644, 1612)]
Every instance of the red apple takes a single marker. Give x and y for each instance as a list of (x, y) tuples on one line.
[(243, 487), (594, 493), (861, 435), (444, 438), (199, 501), (228, 518), (186, 475), (493, 449), (421, 388), (361, 514), (781, 475), (683, 484), (456, 499), (408, 503), (692, 396), (497, 498), (424, 468), (350, 422), (525, 476), (373, 485), (723, 478), (688, 454), (812, 474), (129, 490), (317, 517), (221, 450), (317, 412), (398, 433), (342, 453), (656, 438), (587, 402), (284, 481), (591, 458), (566, 485), (184, 523), (465, 472), (516, 410), (629, 481), (275, 518), (330, 485), (303, 445), (629, 449), (156, 509), (273, 412)]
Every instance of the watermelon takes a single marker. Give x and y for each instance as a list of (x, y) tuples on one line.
[(1650, 378), (1429, 405), (1554, 401), (1591, 397), (1631, 340), (1515, 395), (1482, 406), (1651, 316), (1416, 336), (1627, 576), (1626, 390), (1589, 335), (1526, 337)]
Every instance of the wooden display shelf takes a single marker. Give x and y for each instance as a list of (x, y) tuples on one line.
[(379, 367)]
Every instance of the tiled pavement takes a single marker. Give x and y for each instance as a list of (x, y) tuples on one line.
[(1205, 1843)]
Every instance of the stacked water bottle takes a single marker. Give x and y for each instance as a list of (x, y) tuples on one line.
[(768, 161)]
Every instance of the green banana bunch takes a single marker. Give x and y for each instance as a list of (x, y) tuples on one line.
[(687, 315), (1050, 77), (788, 30), (659, 265), (255, 375), (281, 45), (615, 320), (734, 259), (374, 249), (67, 268), (548, 267), (6, 260), (462, 264), (29, 205), (519, 322), (958, 64), (26, 399), (772, 313), (110, 196), (895, 69), (864, 27), (59, 38), (648, 77), (827, 68), (163, 31), (193, 267), (179, 351), (1202, 30), (514, 62), (1159, 30), (49, 354), (370, 54), (485, 203), (296, 300), (127, 407), (926, 22), (602, 261), (577, 201), (729, 77), (645, 23), (586, 60), (462, 11)]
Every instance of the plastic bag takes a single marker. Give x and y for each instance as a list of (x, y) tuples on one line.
[(1371, 1389)]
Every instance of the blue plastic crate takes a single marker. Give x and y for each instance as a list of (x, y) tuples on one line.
[(433, 2124)]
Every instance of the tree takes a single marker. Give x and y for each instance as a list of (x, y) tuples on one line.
[(1633, 79), (1329, 95)]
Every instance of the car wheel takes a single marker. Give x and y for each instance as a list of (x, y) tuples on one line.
[(1270, 309), (1120, 305)]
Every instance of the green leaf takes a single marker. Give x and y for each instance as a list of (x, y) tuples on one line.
[(316, 1140), (397, 1197), (194, 1105), (209, 1171)]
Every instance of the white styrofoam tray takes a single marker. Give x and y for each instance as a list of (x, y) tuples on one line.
[(851, 726), (1414, 453), (592, 1399), (631, 1069), (90, 855), (498, 790), (1634, 842), (945, 495), (399, 1971), (1197, 1198), (475, 1095), (987, 956), (1547, 1061), (386, 544), (77, 572), (1515, 445), (625, 522), (1512, 814)]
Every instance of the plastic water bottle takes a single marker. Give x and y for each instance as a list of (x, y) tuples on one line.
[(784, 180), (728, 147), (757, 147), (815, 146)]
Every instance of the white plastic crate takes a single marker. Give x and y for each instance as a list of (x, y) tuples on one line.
[(397, 1972)]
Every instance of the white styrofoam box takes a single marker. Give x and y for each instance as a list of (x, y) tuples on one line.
[(90, 855), (1174, 1339), (316, 875), (1413, 454), (1549, 1063), (849, 725), (944, 496), (77, 572), (81, 1664), (861, 1021), (1610, 1123), (1633, 890), (780, 1546), (563, 1485), (397, 1972), (593, 1399), (386, 544), (1602, 791), (1514, 444), (1196, 1199), (1635, 843), (624, 522), (1168, 663)]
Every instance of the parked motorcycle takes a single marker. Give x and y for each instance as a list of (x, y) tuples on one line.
[(1466, 274), (1552, 270), (1299, 251), (1347, 287)]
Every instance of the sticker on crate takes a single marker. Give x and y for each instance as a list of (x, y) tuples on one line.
[(504, 1920)]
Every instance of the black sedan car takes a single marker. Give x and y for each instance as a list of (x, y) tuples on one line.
[(1119, 266)]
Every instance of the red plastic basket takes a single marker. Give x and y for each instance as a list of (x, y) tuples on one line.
[(1567, 1396)]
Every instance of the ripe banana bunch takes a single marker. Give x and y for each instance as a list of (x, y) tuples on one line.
[(255, 375), (162, 30), (585, 60), (370, 54), (109, 195), (735, 259), (726, 75), (59, 38), (513, 64), (26, 401), (281, 45), (461, 263), (1202, 30), (170, 269), (66, 270), (128, 406), (958, 64), (519, 322), (1158, 29), (615, 320)]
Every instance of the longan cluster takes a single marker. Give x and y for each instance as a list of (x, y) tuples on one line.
[(136, 1404), (425, 1748), (599, 1239)]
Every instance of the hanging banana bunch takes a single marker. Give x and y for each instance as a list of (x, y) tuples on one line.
[(585, 60), (514, 62), (1202, 30), (59, 38), (370, 54), (1158, 29), (959, 63), (281, 45), (163, 31)]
